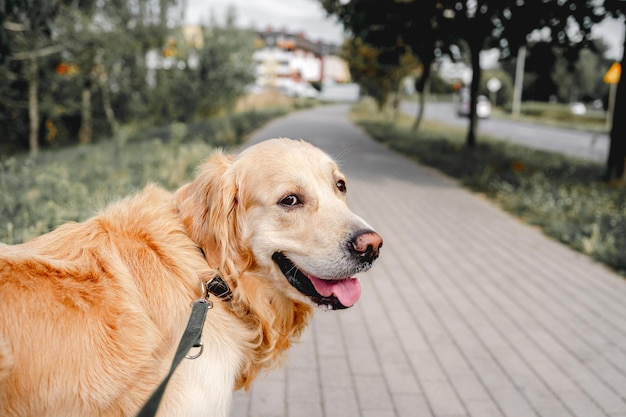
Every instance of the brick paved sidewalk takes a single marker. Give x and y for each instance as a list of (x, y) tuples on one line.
[(468, 312)]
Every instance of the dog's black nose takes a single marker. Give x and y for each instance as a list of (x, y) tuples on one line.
[(367, 245)]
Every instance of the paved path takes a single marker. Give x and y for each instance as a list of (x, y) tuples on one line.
[(468, 312)]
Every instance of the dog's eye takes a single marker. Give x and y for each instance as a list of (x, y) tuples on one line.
[(290, 201), (341, 186)]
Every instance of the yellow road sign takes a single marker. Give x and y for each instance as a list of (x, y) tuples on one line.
[(614, 73)]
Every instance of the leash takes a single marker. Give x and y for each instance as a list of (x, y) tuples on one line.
[(191, 338)]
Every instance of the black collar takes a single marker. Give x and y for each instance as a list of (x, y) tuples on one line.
[(218, 287)]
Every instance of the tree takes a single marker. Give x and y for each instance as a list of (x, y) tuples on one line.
[(580, 80), (225, 66), (376, 78), (425, 26), (540, 84), (470, 22), (96, 33), (473, 25), (617, 147), (82, 40), (26, 36), (550, 73), (393, 29), (506, 25), (208, 78)]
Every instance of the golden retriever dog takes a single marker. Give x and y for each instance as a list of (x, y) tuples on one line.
[(91, 313)]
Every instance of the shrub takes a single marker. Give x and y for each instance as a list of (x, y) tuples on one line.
[(69, 184)]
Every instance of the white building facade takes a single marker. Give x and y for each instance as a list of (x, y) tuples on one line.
[(290, 62)]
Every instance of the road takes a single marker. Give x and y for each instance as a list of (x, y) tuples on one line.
[(593, 146)]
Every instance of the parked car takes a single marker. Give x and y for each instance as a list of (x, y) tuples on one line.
[(483, 106), (301, 89), (578, 108)]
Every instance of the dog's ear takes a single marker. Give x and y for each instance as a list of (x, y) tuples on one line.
[(209, 210)]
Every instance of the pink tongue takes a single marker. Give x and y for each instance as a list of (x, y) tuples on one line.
[(347, 290)]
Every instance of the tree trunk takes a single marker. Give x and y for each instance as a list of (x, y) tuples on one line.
[(519, 81), (475, 83), (396, 101), (617, 148), (422, 87), (32, 76), (33, 106), (420, 109), (86, 126), (106, 104)]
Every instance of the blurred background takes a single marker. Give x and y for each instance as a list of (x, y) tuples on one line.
[(97, 97), (76, 70)]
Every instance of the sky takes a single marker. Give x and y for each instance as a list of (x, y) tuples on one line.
[(306, 16), (309, 17), (613, 32)]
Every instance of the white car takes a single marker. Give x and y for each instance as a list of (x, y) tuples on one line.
[(578, 108), (483, 107), (303, 90)]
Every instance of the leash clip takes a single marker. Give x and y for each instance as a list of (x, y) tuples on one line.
[(219, 288), (199, 309), (197, 355)]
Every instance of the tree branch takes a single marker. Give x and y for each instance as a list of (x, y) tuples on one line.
[(16, 27), (48, 50)]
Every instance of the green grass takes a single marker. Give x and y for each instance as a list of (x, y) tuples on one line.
[(562, 195), (560, 115), (71, 184)]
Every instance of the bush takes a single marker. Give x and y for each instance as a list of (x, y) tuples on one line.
[(69, 184)]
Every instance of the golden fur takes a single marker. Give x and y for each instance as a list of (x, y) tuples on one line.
[(91, 313)]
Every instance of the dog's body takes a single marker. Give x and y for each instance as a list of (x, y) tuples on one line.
[(91, 314)]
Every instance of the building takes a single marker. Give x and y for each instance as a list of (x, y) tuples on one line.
[(290, 62), (285, 62)]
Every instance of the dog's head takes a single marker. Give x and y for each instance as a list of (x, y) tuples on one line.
[(280, 207)]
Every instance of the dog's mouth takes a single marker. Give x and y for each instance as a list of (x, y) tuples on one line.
[(334, 294)]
